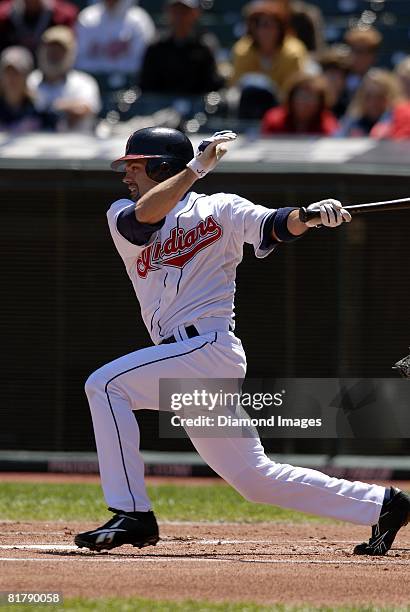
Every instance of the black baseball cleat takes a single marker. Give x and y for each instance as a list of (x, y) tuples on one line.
[(394, 514), (136, 528)]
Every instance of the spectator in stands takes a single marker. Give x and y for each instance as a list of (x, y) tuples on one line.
[(257, 96), (335, 68), (17, 112), (398, 127), (363, 46), (305, 22), (181, 61), (305, 110), (402, 70), (22, 22), (372, 105), (397, 123), (112, 37), (69, 99), (267, 47)]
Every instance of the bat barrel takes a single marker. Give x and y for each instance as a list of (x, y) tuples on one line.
[(379, 206)]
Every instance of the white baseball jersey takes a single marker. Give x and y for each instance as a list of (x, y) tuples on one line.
[(113, 40), (187, 271), (76, 86)]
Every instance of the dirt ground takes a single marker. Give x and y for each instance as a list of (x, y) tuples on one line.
[(267, 563)]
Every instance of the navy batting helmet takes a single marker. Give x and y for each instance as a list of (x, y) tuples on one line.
[(168, 151)]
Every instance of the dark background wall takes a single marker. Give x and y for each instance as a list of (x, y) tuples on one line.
[(332, 303)]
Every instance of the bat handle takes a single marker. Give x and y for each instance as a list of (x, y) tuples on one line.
[(308, 215)]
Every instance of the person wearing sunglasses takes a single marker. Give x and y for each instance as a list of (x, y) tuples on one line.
[(267, 48)]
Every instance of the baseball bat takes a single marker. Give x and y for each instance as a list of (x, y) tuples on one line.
[(358, 209)]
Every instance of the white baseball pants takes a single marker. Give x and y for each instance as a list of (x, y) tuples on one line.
[(132, 383)]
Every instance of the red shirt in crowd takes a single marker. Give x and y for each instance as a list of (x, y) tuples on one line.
[(18, 27), (278, 121), (398, 128)]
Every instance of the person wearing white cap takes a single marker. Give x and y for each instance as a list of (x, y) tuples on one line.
[(181, 61), (69, 98), (17, 111)]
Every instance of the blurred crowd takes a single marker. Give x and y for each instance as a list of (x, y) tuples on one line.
[(91, 70)]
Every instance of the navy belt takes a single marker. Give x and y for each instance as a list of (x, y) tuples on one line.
[(191, 332)]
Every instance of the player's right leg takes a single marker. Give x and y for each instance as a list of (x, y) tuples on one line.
[(242, 462), (236, 454)]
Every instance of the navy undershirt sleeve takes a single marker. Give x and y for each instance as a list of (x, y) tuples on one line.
[(133, 230), (280, 224), (267, 238), (277, 221)]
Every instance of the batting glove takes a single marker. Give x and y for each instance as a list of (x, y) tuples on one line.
[(209, 152), (331, 213)]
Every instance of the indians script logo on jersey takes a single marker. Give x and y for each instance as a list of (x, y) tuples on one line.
[(179, 248)]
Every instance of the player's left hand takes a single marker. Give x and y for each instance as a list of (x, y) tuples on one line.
[(331, 213), (209, 152)]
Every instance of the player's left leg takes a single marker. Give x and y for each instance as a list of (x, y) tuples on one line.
[(114, 391)]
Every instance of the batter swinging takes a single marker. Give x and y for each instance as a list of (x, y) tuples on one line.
[(181, 250)]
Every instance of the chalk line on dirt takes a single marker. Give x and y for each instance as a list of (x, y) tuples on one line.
[(178, 559), (179, 541)]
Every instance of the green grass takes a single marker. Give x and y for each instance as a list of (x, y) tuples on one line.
[(147, 605), (34, 501)]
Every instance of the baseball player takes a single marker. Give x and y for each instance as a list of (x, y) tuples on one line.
[(180, 250)]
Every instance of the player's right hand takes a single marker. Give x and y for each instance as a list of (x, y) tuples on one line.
[(209, 152)]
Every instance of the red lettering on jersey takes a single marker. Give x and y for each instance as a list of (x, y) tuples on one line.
[(156, 251), (112, 49), (179, 248), (144, 261), (170, 244)]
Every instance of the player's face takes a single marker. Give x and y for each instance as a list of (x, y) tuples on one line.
[(136, 179)]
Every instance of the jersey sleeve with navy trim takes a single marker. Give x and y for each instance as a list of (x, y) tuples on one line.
[(127, 249), (133, 230), (255, 222)]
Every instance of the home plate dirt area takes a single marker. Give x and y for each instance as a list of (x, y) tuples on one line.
[(265, 562)]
